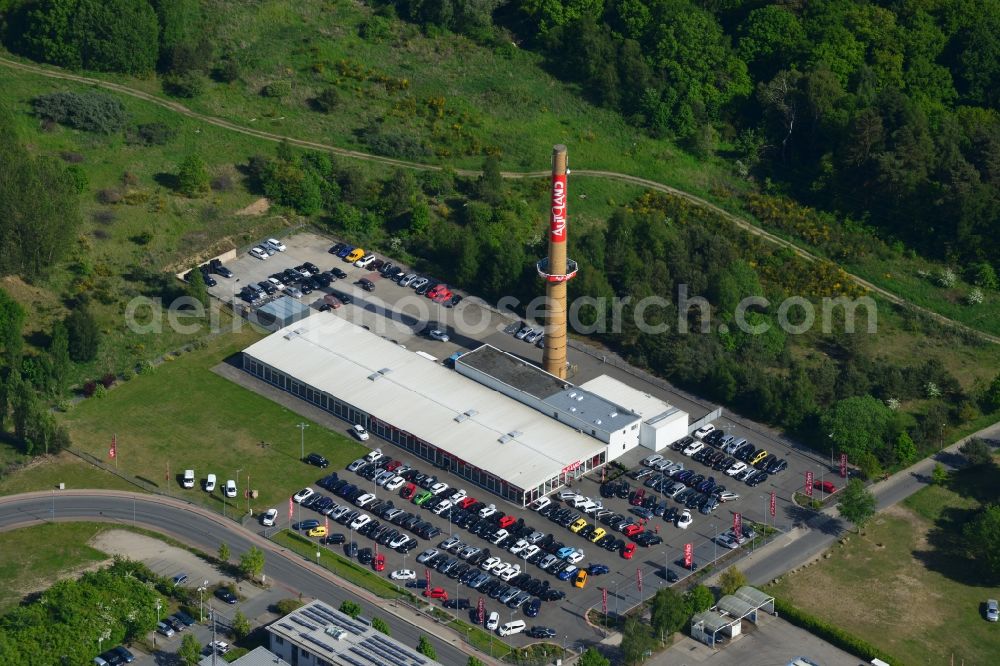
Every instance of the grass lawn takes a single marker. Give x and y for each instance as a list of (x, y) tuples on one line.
[(48, 472), (185, 416), (900, 587), (55, 549)]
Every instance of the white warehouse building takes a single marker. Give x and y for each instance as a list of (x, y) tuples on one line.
[(662, 424), (440, 415)]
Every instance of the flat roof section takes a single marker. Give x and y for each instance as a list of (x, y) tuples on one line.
[(337, 638), (649, 407), (513, 371), (467, 420), (600, 413)]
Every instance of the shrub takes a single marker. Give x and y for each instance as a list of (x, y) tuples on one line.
[(378, 624), (187, 85), (89, 111), (89, 388), (375, 29), (78, 177), (145, 368), (327, 100), (226, 70), (151, 134), (71, 157), (975, 297), (127, 375), (100, 391), (286, 606), (277, 89), (109, 195), (946, 278), (828, 632), (350, 608), (108, 380), (192, 177)]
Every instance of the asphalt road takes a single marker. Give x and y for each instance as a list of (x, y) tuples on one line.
[(198, 527)]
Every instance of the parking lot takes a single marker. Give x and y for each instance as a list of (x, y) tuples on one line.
[(398, 314)]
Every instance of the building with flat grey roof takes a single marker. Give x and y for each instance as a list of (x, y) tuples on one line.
[(259, 656), (662, 424), (578, 408), (319, 635)]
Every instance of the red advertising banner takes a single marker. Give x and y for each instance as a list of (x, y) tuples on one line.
[(557, 219), (688, 555), (326, 524), (481, 608), (291, 509), (772, 504), (738, 524), (843, 465), (809, 484), (604, 600), (427, 577), (638, 579), (113, 451)]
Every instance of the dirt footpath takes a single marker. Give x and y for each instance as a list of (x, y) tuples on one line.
[(162, 558)]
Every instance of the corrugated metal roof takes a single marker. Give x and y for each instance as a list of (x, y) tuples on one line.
[(735, 606), (395, 385), (711, 621), (754, 596)]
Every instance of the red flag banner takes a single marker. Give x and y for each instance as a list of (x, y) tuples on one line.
[(482, 609), (604, 600), (772, 504), (113, 451), (291, 509), (326, 526), (843, 465), (688, 555), (738, 525), (427, 577), (638, 579), (809, 484)]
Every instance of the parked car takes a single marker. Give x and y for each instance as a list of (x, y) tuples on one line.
[(165, 629), (230, 488), (225, 595), (210, 483), (318, 460), (267, 520), (360, 432)]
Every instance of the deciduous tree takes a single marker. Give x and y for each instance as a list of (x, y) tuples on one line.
[(190, 650), (192, 177), (425, 648), (590, 658), (731, 580), (857, 503), (84, 335), (252, 562)]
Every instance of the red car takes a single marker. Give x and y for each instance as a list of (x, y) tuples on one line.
[(507, 521), (467, 502), (825, 486), (637, 496), (443, 296), (436, 593), (393, 466), (628, 551), (431, 293), (378, 564), (632, 530), (407, 491)]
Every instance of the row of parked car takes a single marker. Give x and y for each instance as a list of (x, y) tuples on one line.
[(114, 657), (505, 532), (296, 282), (521, 331), (214, 266)]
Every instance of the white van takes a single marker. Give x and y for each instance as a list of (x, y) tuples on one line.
[(210, 483), (188, 481), (511, 628)]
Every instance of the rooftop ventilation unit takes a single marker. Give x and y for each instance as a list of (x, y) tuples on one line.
[(572, 409), (597, 421), (336, 633), (579, 398), (573, 394), (467, 414), (381, 373), (613, 415)]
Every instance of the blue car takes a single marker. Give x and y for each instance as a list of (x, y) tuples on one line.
[(565, 552), (532, 607), (568, 573), (344, 251), (598, 569), (306, 524)]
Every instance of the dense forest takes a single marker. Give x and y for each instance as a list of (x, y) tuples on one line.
[(884, 111)]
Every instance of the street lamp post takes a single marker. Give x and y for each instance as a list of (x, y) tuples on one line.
[(236, 504), (302, 438), (201, 601)]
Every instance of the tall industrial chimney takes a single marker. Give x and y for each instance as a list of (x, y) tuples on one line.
[(557, 270)]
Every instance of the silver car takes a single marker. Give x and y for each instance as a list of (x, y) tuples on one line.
[(992, 610)]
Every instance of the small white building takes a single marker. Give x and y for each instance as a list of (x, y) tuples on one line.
[(662, 423)]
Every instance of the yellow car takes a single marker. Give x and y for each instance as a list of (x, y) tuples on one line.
[(317, 531), (354, 256), (598, 534), (581, 578), (757, 458), (578, 525)]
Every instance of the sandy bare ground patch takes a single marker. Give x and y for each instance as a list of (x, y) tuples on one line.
[(258, 207), (162, 558), (43, 583)]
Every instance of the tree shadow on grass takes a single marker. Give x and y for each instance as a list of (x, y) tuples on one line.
[(978, 482), (946, 554), (167, 180)]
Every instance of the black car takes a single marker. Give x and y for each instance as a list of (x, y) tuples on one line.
[(219, 269), (672, 576), (365, 556), (777, 466), (337, 247), (305, 287), (332, 539), (225, 595), (366, 284), (541, 632), (338, 273), (318, 460), (458, 604), (267, 287)]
